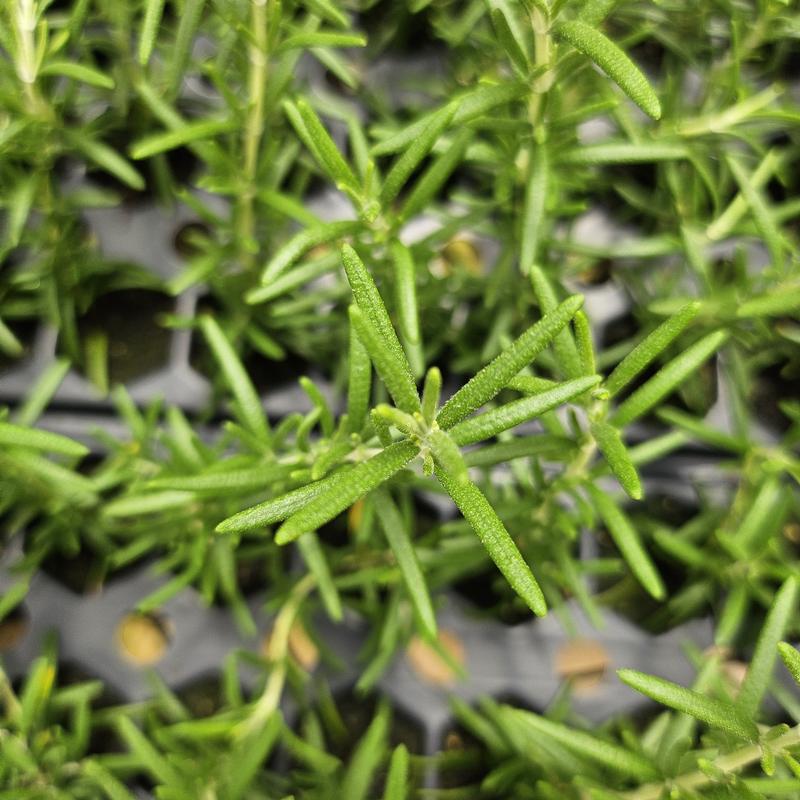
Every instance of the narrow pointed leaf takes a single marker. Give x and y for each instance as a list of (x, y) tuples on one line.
[(279, 508), (397, 535), (569, 361), (359, 384), (782, 300), (20, 436), (314, 557), (300, 244), (360, 480), (650, 347), (247, 759), (396, 375), (715, 713), (610, 442), (762, 214), (430, 394), (791, 658), (317, 139), (619, 759), (179, 54), (490, 423), (405, 284), (170, 140), (108, 159), (495, 375), (370, 303), (542, 445), (496, 539), (761, 514), (224, 482), (153, 12), (42, 391), (533, 216), (146, 753), (436, 175), (627, 540), (471, 105), (625, 153), (397, 779), (305, 41), (78, 72), (367, 758), (510, 40), (613, 61), (759, 673), (668, 378), (447, 456), (419, 148), (248, 403)]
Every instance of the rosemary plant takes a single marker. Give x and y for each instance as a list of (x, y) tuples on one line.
[(527, 273)]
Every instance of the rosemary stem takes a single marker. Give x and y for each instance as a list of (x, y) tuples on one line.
[(254, 128), (730, 763)]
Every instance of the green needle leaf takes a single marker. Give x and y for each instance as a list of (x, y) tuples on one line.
[(367, 757), (610, 442), (495, 375), (396, 375), (762, 214), (370, 303), (495, 538), (610, 58), (305, 41), (397, 779), (668, 378), (782, 300), (20, 436), (566, 350), (317, 139), (170, 140), (533, 216), (359, 385), (471, 105), (78, 72), (489, 424), (360, 480), (625, 153), (432, 180), (715, 713), (224, 482), (791, 658), (314, 557), (153, 12), (279, 508), (419, 148), (759, 673), (616, 758), (399, 540), (431, 391), (300, 244), (627, 540), (248, 404), (108, 159), (405, 283), (650, 347)]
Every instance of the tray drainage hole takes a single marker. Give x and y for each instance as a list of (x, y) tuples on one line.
[(439, 668), (583, 662), (142, 639), (13, 628)]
